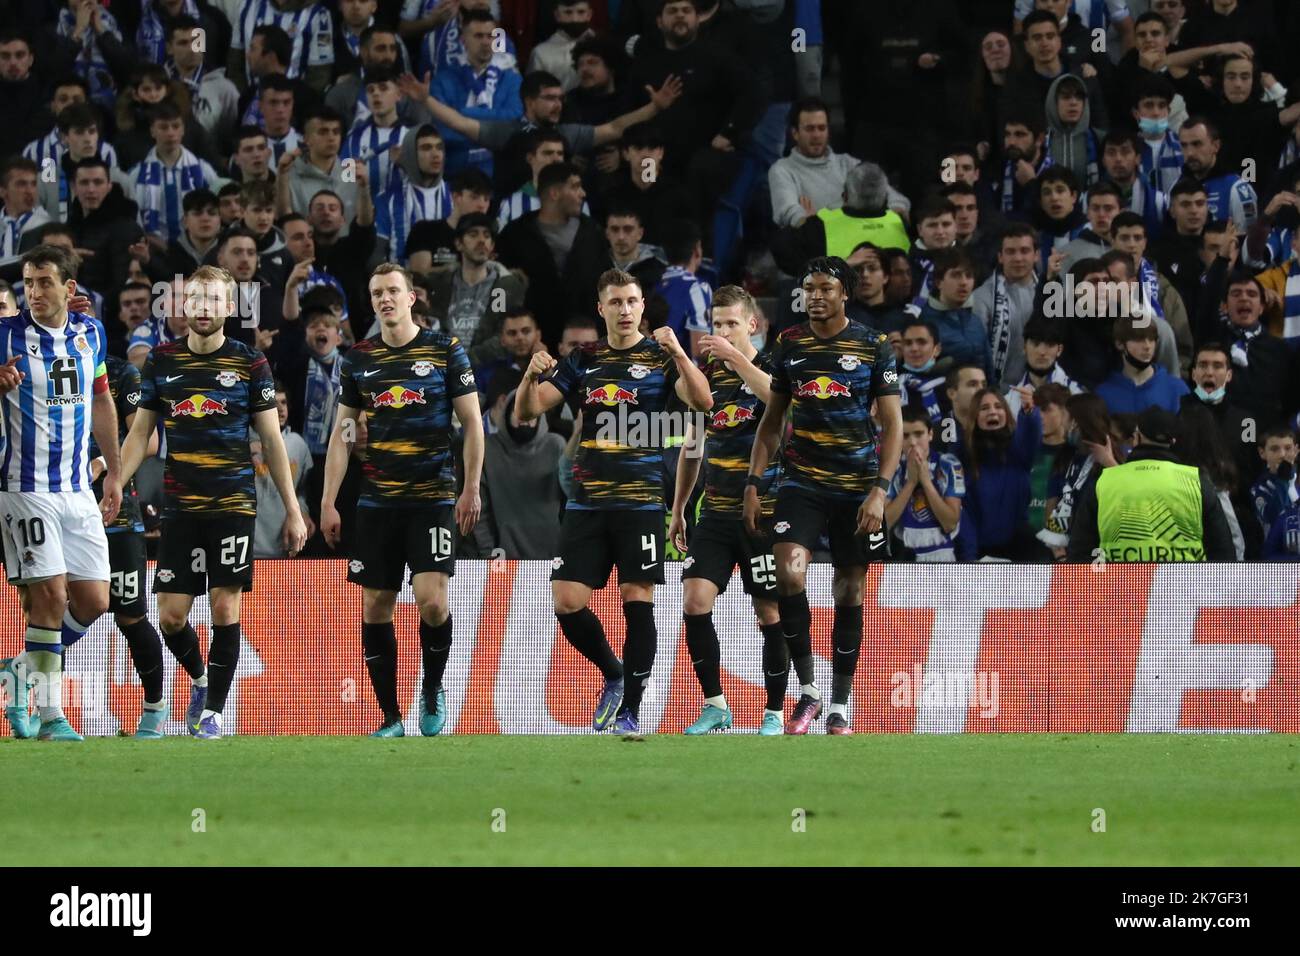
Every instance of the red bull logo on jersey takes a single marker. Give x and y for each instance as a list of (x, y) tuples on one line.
[(611, 396), (198, 406), (399, 396), (729, 416), (823, 387)]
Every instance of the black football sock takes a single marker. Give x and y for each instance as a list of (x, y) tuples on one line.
[(706, 654), (846, 636), (379, 643), (146, 654), (223, 658), (435, 646), (184, 645), (796, 622), (638, 651), (584, 631), (776, 665)]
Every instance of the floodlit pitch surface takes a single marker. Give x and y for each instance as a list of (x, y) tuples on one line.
[(735, 799)]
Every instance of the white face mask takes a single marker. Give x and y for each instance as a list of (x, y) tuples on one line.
[(758, 340), (1214, 397)]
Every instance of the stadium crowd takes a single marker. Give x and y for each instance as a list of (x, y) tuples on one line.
[(1062, 212)]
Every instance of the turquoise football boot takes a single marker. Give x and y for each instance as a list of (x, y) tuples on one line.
[(431, 724), (58, 729), (151, 723), (772, 726), (710, 719)]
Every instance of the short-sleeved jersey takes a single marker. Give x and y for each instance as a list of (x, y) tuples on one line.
[(47, 417), (621, 393), (124, 384), (832, 382), (918, 527), (206, 404), (407, 393), (731, 427)]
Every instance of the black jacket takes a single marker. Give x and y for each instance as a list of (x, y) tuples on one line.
[(552, 297), (107, 232), (1216, 538), (718, 96)]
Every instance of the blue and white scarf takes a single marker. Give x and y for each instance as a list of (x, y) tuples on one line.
[(160, 189), (13, 227), (1009, 183), (90, 64), (191, 82), (1239, 352), (320, 401), (1162, 171), (1291, 306), (151, 36), (1149, 280), (482, 87), (405, 204)]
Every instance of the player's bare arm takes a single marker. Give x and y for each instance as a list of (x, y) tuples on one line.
[(766, 441), (135, 449), (688, 470), (871, 515), (534, 397), (103, 424), (336, 466), (717, 347), (267, 423), (469, 505), (692, 387)]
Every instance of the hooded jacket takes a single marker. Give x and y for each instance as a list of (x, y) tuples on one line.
[(107, 232), (1076, 146), (485, 346), (306, 180), (521, 494)]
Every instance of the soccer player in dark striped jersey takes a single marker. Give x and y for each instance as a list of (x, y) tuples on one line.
[(741, 380), (827, 373), (408, 382), (208, 389), (622, 385)]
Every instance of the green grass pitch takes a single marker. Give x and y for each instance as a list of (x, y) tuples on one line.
[(899, 800)]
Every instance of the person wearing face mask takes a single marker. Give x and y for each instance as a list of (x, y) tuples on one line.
[(1162, 154), (1266, 373), (919, 376), (554, 54), (1153, 507), (1044, 341), (1141, 383), (1211, 373), (1088, 435)]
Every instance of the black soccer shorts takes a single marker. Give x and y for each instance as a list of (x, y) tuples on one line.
[(720, 544), (126, 558), (802, 515), (592, 543), (387, 540), (200, 552)]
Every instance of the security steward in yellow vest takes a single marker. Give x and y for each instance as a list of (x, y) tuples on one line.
[(1152, 508)]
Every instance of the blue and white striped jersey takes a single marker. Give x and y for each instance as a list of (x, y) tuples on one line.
[(311, 29), (47, 418), (370, 144)]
